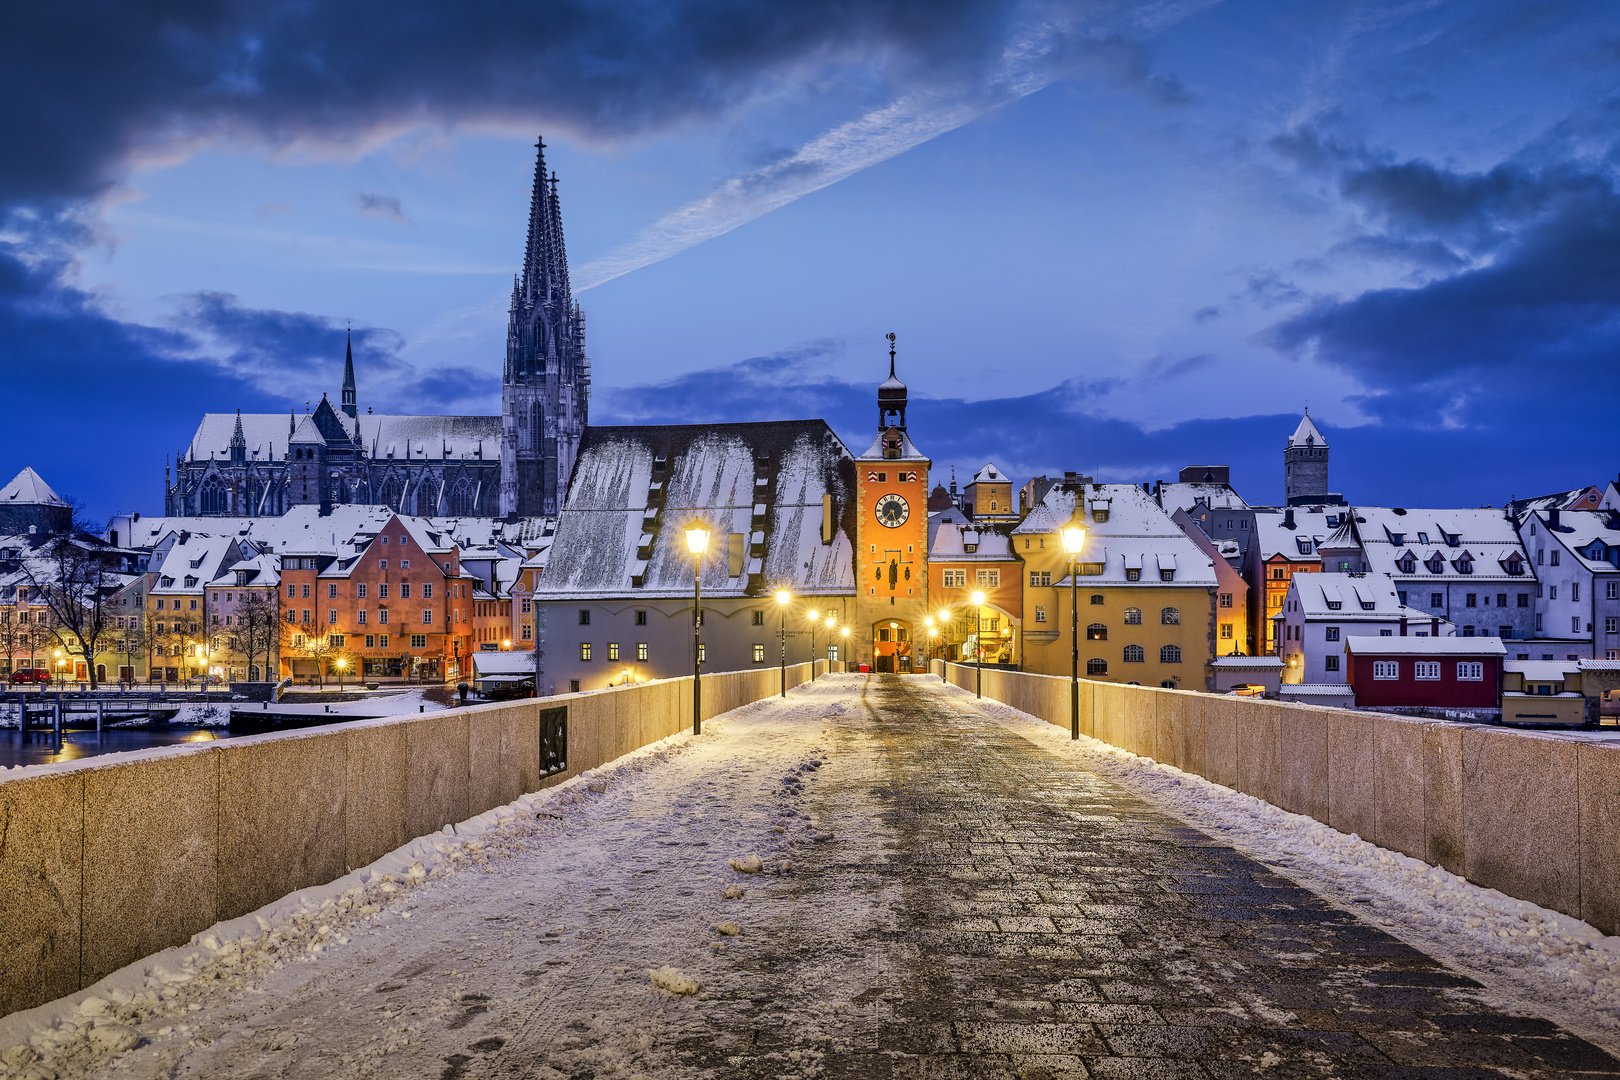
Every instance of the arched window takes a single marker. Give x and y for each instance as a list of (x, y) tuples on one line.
[(1133, 616), (1096, 666), (1096, 632), (426, 502), (461, 499), (1170, 654), (1096, 598), (1134, 654), (1170, 616), (212, 500)]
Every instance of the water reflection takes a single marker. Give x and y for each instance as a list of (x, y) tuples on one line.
[(40, 747)]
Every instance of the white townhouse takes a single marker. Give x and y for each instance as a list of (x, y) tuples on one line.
[(1576, 556), (1322, 611)]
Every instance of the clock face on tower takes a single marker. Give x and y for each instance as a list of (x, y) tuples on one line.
[(892, 511)]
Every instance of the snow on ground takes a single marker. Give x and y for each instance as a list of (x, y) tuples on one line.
[(602, 906), (1538, 960)]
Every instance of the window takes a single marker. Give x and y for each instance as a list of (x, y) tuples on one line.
[(1437, 599), (1468, 631), (584, 616), (1524, 599), (1555, 556), (956, 579), (832, 653), (988, 579), (404, 590), (360, 590), (331, 615), (1096, 632), (1133, 616), (1226, 631), (1096, 666), (404, 564), (1331, 633), (331, 590), (759, 618), (1611, 590), (1426, 669), (1574, 590), (1538, 625), (641, 616), (584, 650), (1335, 605), (1469, 600), (1504, 632), (1167, 575), (371, 641), (1400, 594), (1039, 578), (1096, 599), (1330, 663), (1170, 616), (613, 650), (1552, 592), (1386, 669), (1575, 625), (382, 564), (1276, 573), (382, 616), (384, 539), (759, 654), (382, 590), (1133, 575), (360, 616), (1611, 625), (335, 641), (1226, 599), (1470, 671), (641, 650), (1135, 654), (418, 641), (528, 631), (1407, 565), (306, 615), (427, 616), (703, 653), (1170, 654), (1040, 613)]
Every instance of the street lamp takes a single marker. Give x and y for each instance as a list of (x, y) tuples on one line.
[(1074, 538), (832, 624), (929, 622), (782, 599), (697, 544), (978, 641)]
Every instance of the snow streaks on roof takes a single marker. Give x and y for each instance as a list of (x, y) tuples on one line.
[(29, 488), (1137, 536)]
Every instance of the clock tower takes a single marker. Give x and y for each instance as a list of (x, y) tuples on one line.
[(891, 549)]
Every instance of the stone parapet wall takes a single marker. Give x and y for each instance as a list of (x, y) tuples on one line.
[(1532, 814), (106, 860)]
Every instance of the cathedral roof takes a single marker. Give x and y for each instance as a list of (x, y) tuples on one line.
[(634, 488), (429, 438), (29, 488), (1306, 434)]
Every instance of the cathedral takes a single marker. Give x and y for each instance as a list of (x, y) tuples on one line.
[(518, 463)]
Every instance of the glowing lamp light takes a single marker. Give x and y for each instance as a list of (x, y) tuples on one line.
[(783, 596), (894, 626), (697, 540), (929, 623), (831, 622), (845, 631), (1074, 538), (978, 598), (507, 644)]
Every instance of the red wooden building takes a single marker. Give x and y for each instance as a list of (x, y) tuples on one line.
[(1448, 672)]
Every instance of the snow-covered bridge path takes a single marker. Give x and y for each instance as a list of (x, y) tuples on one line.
[(946, 890)]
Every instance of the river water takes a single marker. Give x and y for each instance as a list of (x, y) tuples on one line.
[(39, 747)]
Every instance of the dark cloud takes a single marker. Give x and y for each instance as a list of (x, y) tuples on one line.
[(1520, 312), (387, 207), (104, 80)]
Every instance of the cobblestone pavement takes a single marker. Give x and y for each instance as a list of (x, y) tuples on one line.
[(1043, 922)]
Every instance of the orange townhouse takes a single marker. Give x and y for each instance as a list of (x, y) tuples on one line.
[(967, 557)]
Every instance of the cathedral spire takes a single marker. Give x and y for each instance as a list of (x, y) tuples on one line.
[(350, 404)]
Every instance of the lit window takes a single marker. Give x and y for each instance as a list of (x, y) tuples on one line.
[(1226, 630), (1040, 614), (641, 650), (759, 654), (1096, 632), (1170, 616), (584, 650), (613, 650), (988, 579)]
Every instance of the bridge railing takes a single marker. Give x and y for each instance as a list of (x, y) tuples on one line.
[(106, 860), (1532, 814)]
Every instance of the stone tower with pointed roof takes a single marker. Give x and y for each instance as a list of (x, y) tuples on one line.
[(28, 504), (546, 386), (351, 402), (1305, 465)]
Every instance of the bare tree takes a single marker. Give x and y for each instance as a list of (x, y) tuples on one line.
[(9, 635), (69, 575), (258, 626)]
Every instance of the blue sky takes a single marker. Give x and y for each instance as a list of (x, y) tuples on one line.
[(1111, 237)]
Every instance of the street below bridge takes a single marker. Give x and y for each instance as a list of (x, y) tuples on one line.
[(874, 877)]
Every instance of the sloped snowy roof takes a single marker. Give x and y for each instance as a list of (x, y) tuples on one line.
[(1137, 532), (1299, 543), (425, 437), (1487, 535), (706, 472), (1180, 496), (990, 475), (1578, 530), (1424, 646), (950, 539), (28, 487), (908, 452), (1306, 434)]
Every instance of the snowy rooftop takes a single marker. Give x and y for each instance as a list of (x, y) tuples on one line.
[(423, 438), (1306, 434), (1180, 496), (635, 488), (1138, 536), (1347, 597), (908, 452), (1543, 670), (1487, 537), (1591, 536), (990, 475), (1300, 541), (951, 539), (27, 487), (1424, 646)]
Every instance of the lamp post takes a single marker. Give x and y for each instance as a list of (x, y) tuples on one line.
[(782, 599), (978, 642), (844, 633), (929, 622), (1074, 538), (697, 543), (341, 665)]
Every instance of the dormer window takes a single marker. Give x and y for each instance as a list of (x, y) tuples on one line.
[(1465, 565), (1436, 564), (1369, 605), (1407, 565), (1395, 538), (1335, 605)]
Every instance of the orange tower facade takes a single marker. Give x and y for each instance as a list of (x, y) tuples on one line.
[(891, 549)]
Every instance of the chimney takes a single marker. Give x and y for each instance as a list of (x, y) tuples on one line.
[(1552, 518), (1288, 518)]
